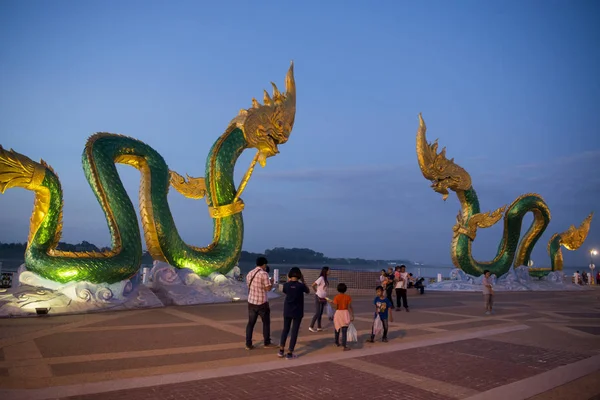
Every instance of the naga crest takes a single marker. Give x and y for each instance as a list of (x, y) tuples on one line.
[(269, 125), (444, 174), (574, 237)]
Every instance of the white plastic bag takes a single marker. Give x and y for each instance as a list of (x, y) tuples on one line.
[(330, 312), (352, 335), (377, 325)]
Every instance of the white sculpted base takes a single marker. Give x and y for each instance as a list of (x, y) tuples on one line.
[(183, 286), (166, 286), (32, 291), (514, 280)]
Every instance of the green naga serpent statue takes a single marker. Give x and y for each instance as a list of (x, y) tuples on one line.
[(262, 127), (445, 175)]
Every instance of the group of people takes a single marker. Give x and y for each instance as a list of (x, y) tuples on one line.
[(585, 278), (259, 284), (399, 280)]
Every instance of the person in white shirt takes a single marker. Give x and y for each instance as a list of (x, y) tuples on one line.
[(320, 287), (401, 279)]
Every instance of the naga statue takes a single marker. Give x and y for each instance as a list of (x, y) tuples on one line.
[(263, 127), (445, 175)]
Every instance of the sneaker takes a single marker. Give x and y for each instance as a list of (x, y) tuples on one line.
[(487, 313), (249, 347), (384, 340), (407, 310), (347, 349), (320, 329), (398, 309), (310, 328), (370, 341), (290, 356), (280, 354), (269, 345), (336, 344)]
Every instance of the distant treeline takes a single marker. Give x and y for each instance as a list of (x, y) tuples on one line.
[(277, 255), (282, 255)]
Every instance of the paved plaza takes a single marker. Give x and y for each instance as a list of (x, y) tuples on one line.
[(538, 345)]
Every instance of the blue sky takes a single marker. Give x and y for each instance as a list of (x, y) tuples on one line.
[(510, 87)]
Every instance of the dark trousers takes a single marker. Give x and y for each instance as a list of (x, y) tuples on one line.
[(389, 290), (401, 295), (319, 307), (384, 322), (294, 323), (344, 336), (265, 315)]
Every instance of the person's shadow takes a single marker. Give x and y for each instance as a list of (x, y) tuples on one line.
[(319, 344)]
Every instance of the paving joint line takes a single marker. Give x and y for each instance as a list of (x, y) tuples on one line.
[(529, 387), (150, 381), (417, 381)]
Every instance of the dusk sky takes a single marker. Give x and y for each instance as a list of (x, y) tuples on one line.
[(512, 88)]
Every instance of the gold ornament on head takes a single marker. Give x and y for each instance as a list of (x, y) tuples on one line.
[(269, 125), (444, 174)]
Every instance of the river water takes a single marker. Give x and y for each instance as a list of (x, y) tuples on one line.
[(426, 271)]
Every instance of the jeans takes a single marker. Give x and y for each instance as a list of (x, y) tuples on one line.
[(319, 308), (384, 322), (294, 323), (401, 295), (265, 315), (344, 330)]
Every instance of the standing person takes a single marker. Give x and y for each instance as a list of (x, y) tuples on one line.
[(383, 305), (488, 292), (293, 310), (343, 316), (259, 284), (389, 288), (402, 279), (384, 279), (320, 287)]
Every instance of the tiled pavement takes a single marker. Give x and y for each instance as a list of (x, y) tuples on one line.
[(443, 349)]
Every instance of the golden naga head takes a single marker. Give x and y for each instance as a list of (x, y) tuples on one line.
[(444, 174), (269, 125), (574, 237)]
